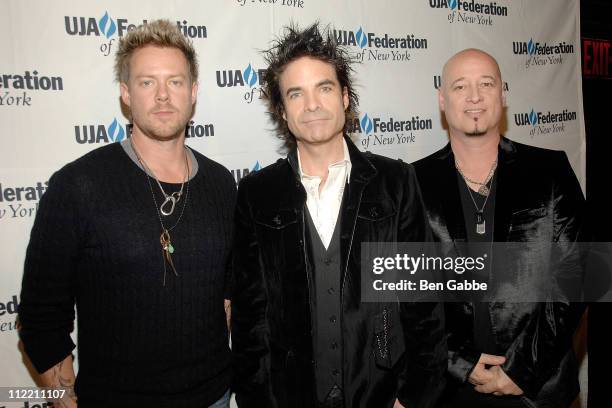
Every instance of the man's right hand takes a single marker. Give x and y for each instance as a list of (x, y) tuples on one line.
[(480, 374)]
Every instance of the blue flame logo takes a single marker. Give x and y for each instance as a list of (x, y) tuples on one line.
[(533, 118), (361, 38), (531, 48), (115, 131), (366, 124), (256, 167), (452, 4), (250, 76), (112, 27)]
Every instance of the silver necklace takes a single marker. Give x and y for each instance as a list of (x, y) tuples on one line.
[(480, 220), (165, 239), (169, 199), (483, 189)]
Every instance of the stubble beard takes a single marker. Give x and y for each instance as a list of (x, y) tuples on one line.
[(163, 133)]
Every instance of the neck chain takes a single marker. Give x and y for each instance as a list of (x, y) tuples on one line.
[(483, 189), (164, 238), (480, 220)]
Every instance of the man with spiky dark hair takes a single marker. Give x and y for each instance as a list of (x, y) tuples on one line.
[(301, 335)]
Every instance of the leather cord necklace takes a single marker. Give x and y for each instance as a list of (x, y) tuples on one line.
[(165, 239)]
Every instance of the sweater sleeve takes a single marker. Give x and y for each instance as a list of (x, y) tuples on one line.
[(46, 311)]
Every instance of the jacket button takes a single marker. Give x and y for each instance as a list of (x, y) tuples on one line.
[(334, 345), (332, 319)]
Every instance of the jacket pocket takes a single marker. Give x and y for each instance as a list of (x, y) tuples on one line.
[(277, 219), (526, 219), (376, 211), (530, 213)]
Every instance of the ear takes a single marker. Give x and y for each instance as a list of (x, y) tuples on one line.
[(345, 98), (441, 101), (125, 93), (194, 93), (504, 99)]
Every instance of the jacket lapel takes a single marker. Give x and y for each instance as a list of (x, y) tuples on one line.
[(362, 172), (505, 191), (448, 195)]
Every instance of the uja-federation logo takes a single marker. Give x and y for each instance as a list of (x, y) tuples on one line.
[(272, 3), (16, 89), (115, 132), (108, 28), (248, 79), (470, 12), (20, 201), (380, 131), (239, 174), (544, 123), (371, 46), (542, 54), (8, 314)]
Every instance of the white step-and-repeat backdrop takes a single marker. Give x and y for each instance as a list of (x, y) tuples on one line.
[(58, 99)]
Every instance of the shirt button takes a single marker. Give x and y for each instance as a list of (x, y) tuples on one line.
[(332, 319)]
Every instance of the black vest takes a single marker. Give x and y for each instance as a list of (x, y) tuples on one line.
[(326, 309)]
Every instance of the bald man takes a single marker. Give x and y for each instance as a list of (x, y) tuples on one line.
[(483, 188)]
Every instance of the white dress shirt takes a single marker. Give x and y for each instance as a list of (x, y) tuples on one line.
[(324, 206)]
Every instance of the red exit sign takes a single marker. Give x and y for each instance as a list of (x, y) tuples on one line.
[(596, 58)]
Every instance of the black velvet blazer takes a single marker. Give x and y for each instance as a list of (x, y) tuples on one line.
[(272, 307), (538, 200)]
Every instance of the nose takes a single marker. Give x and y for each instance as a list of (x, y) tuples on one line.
[(474, 94), (162, 92), (311, 101)]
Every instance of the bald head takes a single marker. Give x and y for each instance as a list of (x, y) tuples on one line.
[(467, 55), (471, 94)]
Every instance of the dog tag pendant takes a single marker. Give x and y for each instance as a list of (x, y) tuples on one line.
[(480, 223)]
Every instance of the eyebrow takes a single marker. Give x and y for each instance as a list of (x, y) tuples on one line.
[(484, 76), (319, 84), (153, 76)]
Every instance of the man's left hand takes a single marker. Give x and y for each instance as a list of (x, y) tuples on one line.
[(397, 404), (500, 384)]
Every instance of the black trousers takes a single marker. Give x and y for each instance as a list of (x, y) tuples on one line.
[(464, 396)]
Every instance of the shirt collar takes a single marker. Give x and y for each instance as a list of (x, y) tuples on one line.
[(346, 161)]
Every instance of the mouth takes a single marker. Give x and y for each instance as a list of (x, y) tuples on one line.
[(306, 122), (163, 114), (474, 113)]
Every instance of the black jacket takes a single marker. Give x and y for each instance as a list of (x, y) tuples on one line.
[(538, 199), (271, 310)]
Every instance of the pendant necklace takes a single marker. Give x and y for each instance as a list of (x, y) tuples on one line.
[(165, 239), (480, 219)]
